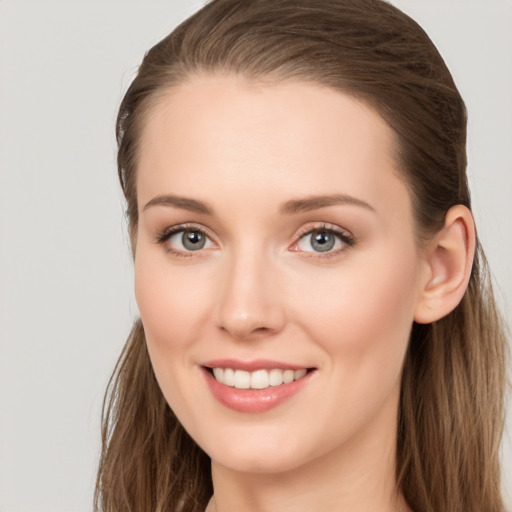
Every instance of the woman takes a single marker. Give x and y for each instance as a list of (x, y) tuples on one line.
[(317, 331)]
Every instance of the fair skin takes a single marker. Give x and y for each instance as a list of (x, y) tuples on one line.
[(331, 286)]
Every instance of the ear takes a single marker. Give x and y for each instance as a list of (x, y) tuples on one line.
[(448, 262)]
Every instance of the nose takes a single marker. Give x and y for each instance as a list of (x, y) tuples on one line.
[(250, 304)]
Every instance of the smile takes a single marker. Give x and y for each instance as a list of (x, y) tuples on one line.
[(257, 386), (259, 379)]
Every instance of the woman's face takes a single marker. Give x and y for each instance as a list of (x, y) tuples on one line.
[(275, 234)]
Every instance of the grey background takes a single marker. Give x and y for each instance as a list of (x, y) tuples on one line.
[(66, 300)]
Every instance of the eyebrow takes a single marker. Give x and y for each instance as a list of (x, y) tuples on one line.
[(185, 203), (290, 207), (307, 204)]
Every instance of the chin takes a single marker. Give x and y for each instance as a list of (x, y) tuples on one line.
[(257, 452), (255, 463)]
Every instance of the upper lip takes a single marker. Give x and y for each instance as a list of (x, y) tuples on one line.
[(250, 366)]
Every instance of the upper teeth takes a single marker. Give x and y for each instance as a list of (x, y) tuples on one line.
[(260, 379)]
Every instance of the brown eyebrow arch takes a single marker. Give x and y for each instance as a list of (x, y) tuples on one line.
[(192, 205), (307, 204), (288, 208)]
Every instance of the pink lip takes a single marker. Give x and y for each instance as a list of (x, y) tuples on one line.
[(253, 400), (251, 366)]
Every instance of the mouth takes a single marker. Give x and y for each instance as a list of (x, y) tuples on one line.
[(258, 379), (257, 386)]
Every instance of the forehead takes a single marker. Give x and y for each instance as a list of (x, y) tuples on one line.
[(227, 133)]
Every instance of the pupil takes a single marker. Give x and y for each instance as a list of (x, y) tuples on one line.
[(193, 240), (322, 241)]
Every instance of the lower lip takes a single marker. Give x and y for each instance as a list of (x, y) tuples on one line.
[(254, 400)]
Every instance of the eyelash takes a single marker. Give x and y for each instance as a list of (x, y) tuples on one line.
[(344, 236)]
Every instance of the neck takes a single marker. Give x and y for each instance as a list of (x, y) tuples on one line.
[(357, 477)]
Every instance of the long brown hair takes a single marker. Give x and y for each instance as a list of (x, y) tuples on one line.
[(451, 411)]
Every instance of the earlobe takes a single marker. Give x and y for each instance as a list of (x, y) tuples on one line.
[(449, 259)]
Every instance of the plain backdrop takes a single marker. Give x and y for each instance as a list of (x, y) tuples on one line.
[(66, 300)]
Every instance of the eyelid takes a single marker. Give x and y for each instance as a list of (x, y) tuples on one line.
[(322, 226)]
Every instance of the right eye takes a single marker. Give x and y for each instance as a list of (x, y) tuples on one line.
[(180, 240)]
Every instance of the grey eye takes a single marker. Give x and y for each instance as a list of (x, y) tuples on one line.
[(193, 240), (189, 240), (320, 240)]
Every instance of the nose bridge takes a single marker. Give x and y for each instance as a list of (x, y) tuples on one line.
[(249, 302)]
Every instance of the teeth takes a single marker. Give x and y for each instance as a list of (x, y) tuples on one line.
[(229, 377), (242, 379), (219, 374), (259, 379), (299, 374), (288, 376), (275, 377)]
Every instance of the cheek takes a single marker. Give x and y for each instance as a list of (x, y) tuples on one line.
[(172, 308), (172, 301), (364, 313), (362, 323)]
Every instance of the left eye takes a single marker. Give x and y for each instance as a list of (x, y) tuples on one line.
[(320, 240), (189, 240)]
